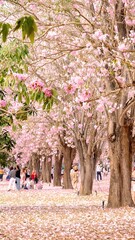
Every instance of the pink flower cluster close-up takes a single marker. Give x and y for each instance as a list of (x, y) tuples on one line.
[(3, 103)]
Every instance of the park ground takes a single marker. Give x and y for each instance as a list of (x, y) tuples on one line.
[(54, 213)]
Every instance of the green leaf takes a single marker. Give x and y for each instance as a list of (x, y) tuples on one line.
[(28, 26), (19, 24), (41, 97), (21, 115), (27, 99), (31, 37), (33, 96), (55, 94), (5, 31), (25, 28), (14, 127), (20, 97)]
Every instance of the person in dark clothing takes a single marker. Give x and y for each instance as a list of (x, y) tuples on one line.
[(27, 173), (18, 177), (98, 171)]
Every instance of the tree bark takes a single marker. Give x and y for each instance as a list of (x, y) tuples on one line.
[(120, 134), (46, 170), (36, 163), (120, 18), (57, 170), (121, 165), (43, 170), (86, 170), (68, 154)]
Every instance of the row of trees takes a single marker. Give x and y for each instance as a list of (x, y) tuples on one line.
[(83, 59)]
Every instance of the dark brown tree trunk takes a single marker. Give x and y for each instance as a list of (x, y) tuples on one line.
[(43, 170), (121, 165), (48, 166), (121, 127), (46, 169), (36, 163), (120, 18), (37, 168), (88, 181), (57, 170), (68, 154)]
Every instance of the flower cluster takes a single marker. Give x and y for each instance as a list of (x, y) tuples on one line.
[(47, 92), (3, 103), (70, 89), (20, 76), (37, 85)]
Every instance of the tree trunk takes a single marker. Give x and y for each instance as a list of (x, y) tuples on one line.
[(121, 165), (57, 170), (30, 167), (46, 170), (86, 171), (87, 183), (68, 154), (43, 170), (36, 163)]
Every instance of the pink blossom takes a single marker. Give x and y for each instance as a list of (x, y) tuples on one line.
[(131, 93), (103, 37), (37, 85), (129, 22), (132, 35), (85, 95), (32, 6), (47, 92), (125, 1), (112, 1), (87, 1), (3, 103), (70, 70), (86, 106), (89, 114), (120, 79), (74, 53), (79, 81), (99, 35), (122, 47), (80, 126), (100, 108), (70, 89), (20, 76)]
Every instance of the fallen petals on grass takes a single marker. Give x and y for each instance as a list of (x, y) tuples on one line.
[(58, 214)]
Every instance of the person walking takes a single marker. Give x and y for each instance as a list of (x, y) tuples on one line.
[(98, 172), (23, 177), (34, 176), (12, 175), (74, 177), (1, 173), (18, 177)]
